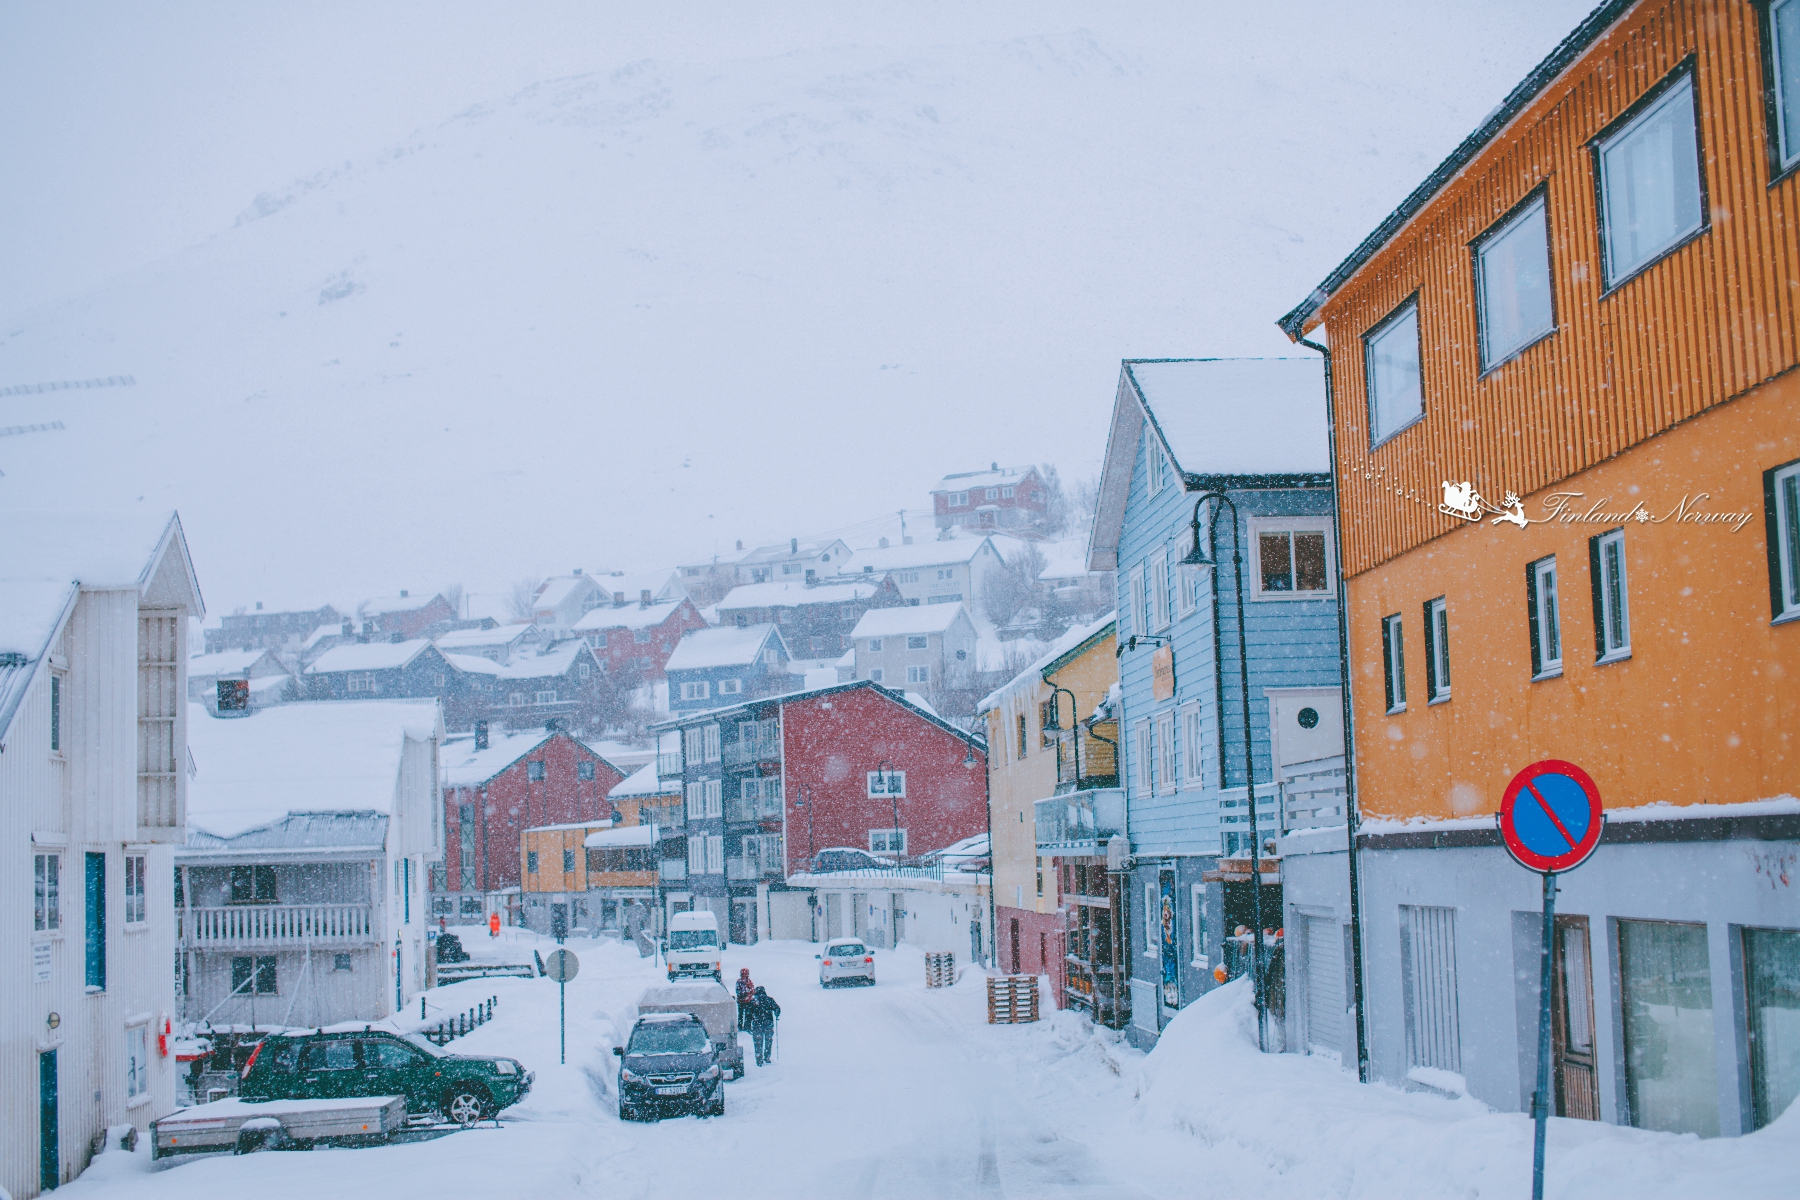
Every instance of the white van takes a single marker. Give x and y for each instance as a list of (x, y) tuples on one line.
[(694, 945)]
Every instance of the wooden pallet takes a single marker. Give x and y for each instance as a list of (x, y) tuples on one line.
[(940, 968), (1012, 999)]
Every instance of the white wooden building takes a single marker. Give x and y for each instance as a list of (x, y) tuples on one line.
[(302, 886), (93, 614)]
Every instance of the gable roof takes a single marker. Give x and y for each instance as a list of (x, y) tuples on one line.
[(908, 618), (992, 477), (644, 782), (368, 656), (662, 585), (904, 700), (557, 589), (1244, 417), (314, 756), (797, 548), (725, 646), (1075, 641), (1295, 321), (550, 661), (47, 558), (934, 553), (630, 615), (833, 589), (458, 640), (392, 604), (225, 662)]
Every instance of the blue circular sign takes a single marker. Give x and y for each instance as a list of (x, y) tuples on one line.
[(1550, 816)]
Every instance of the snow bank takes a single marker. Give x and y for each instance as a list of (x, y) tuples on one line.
[(1288, 1125)]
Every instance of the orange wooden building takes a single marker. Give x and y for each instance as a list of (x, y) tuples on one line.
[(1567, 447)]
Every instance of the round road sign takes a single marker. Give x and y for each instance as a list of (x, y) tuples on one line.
[(561, 965), (1550, 816)]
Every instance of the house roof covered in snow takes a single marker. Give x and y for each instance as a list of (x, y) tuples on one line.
[(368, 656), (662, 585), (938, 552), (393, 604), (1074, 640), (908, 618), (459, 640), (725, 646), (994, 476), (832, 590), (304, 831), (906, 700), (795, 548), (321, 633), (630, 615), (555, 660), (316, 756), (620, 838), (557, 589), (225, 662), (644, 782)]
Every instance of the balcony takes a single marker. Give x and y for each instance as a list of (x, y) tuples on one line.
[(668, 766), (252, 925), (750, 752), (674, 870), (766, 808), (1079, 823), (749, 868)]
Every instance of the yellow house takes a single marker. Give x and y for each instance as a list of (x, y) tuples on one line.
[(1048, 758), (602, 874)]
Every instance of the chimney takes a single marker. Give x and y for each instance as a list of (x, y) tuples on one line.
[(993, 466), (397, 637), (740, 544), (644, 598), (259, 606), (481, 735), (349, 628), (884, 543), (403, 593), (907, 540), (793, 545), (578, 570)]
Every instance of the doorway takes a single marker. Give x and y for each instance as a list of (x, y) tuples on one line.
[(899, 918), (743, 925), (859, 914), (1015, 945), (49, 1159), (1572, 1021), (834, 915)]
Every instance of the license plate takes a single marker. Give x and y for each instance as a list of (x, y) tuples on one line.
[(671, 1091)]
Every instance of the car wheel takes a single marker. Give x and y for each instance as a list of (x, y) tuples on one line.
[(718, 1106), (627, 1113), (466, 1104)]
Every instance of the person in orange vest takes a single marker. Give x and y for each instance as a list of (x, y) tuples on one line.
[(494, 924)]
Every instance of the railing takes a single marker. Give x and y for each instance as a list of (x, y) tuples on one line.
[(1085, 818), (757, 750), (668, 766), (673, 870), (764, 809), (275, 924), (1312, 794), (665, 818), (739, 869)]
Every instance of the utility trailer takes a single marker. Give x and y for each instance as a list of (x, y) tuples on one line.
[(239, 1125), (712, 1004)]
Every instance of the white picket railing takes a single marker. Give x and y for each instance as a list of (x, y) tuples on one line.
[(275, 924)]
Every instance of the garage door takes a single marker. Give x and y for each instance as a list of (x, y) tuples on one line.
[(1324, 985)]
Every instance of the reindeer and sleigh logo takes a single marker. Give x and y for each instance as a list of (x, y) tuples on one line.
[(1462, 501)]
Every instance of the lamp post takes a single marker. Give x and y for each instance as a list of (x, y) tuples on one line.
[(1210, 558), (805, 797), (885, 770), (1054, 725)]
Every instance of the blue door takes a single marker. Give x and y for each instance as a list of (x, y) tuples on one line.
[(48, 1158)]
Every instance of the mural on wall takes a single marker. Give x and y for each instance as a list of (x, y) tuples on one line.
[(1171, 962)]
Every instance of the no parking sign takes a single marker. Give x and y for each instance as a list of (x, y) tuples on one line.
[(1550, 816)]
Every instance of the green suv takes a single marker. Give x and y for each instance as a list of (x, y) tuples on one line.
[(323, 1066)]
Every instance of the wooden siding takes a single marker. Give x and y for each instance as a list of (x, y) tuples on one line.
[(1706, 323)]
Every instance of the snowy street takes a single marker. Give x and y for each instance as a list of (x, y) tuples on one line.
[(900, 1091)]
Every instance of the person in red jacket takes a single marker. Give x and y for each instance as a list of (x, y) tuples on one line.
[(745, 989)]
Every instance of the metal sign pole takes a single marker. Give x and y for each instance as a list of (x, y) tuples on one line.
[(1540, 1100), (562, 1033)]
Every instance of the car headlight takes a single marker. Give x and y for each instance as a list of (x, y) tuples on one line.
[(505, 1066), (630, 1076), (711, 1073)]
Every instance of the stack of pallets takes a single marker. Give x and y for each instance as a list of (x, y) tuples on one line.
[(940, 968), (1012, 999)]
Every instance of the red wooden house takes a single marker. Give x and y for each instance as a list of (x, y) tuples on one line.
[(636, 638), (493, 791)]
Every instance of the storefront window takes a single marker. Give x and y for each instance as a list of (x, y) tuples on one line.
[(1671, 1074), (1772, 992)]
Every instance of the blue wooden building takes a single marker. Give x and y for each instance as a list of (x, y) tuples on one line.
[(711, 668), (1255, 430)]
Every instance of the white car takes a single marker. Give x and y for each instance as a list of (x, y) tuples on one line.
[(846, 959)]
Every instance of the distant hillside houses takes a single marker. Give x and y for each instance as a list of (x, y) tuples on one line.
[(713, 667), (930, 646), (815, 619), (405, 614), (634, 640), (948, 571), (997, 498), (793, 560), (259, 630), (237, 680)]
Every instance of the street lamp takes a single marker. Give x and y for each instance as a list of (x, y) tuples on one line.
[(806, 794), (887, 785), (1054, 725), (1209, 557)]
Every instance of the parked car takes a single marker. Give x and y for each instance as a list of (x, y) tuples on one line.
[(849, 858), (450, 949), (846, 959), (669, 1066), (464, 1088), (694, 945)]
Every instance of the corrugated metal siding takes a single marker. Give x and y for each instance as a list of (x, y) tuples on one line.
[(1713, 319)]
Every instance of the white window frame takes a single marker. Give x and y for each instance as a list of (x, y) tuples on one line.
[(696, 847), (1784, 555), (1437, 650), (709, 737), (1398, 406), (715, 854), (1393, 648), (137, 1062), (1186, 579), (1134, 584), (895, 784), (1007, 493), (696, 800), (874, 645), (696, 689), (1144, 744), (1153, 920), (1157, 579), (1546, 626), (957, 500), (887, 836), (1166, 778), (46, 894), (545, 697), (136, 890), (59, 687), (1487, 282), (1197, 925), (1290, 525), (715, 797), (918, 641), (731, 687), (1785, 139), (1612, 598), (1193, 761), (876, 675), (918, 674), (1672, 93), (1156, 463)]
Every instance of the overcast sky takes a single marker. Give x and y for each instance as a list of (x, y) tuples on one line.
[(726, 273)]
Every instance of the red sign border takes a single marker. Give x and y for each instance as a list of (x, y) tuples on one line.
[(1509, 834)]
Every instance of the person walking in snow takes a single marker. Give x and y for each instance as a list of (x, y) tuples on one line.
[(745, 989), (764, 1012)]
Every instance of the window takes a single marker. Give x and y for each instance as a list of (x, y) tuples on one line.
[(135, 896), (874, 645), (1152, 921), (1671, 1074), (641, 636), (1165, 751), (56, 688), (516, 699), (1292, 559), (1007, 493), (887, 783), (696, 850), (137, 1061), (1781, 514), (1437, 650), (1545, 614), (535, 769), (1197, 905), (770, 658), (918, 643), (1393, 654), (876, 674), (709, 737), (1428, 987), (731, 687), (568, 860), (359, 681), (1157, 579), (946, 573), (1156, 467), (907, 577), (1772, 1018), (1781, 69), (545, 697), (343, 962), (918, 674), (993, 493), (715, 855), (1191, 757), (1022, 735), (1612, 610), (1396, 387), (1135, 598), (584, 771), (887, 841), (46, 892), (715, 791), (696, 801), (958, 499), (253, 885), (698, 690), (1512, 283), (1146, 773), (1650, 188), (255, 976)]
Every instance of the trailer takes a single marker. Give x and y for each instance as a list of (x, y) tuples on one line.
[(243, 1125), (712, 1004)]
